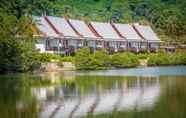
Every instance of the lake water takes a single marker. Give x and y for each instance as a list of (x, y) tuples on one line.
[(155, 92)]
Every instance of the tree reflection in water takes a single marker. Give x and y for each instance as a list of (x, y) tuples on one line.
[(95, 103), (90, 96), (96, 95)]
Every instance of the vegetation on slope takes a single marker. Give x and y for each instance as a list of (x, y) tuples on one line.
[(168, 17)]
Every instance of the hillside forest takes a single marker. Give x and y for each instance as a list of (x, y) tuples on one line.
[(167, 17)]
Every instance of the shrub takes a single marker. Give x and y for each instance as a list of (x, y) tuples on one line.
[(178, 59), (84, 60), (67, 59), (124, 60), (29, 57), (103, 58), (17, 56), (158, 59), (46, 57), (143, 55), (161, 59)]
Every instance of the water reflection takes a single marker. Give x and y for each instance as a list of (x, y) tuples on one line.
[(78, 99), (53, 95), (15, 98)]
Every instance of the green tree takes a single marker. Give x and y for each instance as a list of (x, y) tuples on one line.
[(16, 44), (82, 59)]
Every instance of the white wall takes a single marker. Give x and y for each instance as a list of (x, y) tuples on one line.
[(40, 47)]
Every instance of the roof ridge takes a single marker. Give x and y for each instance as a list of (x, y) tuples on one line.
[(52, 26), (73, 28), (93, 30), (138, 32), (117, 31)]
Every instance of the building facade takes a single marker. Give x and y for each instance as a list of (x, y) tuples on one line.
[(65, 36)]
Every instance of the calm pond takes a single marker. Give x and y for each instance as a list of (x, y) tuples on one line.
[(155, 92)]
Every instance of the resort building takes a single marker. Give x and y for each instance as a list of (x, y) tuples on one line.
[(134, 41), (112, 40), (146, 32), (91, 38), (44, 33), (65, 36)]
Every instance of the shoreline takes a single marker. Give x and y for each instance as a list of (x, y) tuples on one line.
[(153, 71), (73, 70)]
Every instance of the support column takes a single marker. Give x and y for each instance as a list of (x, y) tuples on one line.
[(57, 46)]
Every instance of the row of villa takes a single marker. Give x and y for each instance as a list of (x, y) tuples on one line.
[(65, 36)]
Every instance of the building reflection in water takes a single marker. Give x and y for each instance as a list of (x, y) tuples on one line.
[(67, 101)]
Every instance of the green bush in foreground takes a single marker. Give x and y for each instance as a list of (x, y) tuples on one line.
[(67, 59), (45, 57), (84, 60), (161, 59), (103, 58), (124, 60), (143, 55)]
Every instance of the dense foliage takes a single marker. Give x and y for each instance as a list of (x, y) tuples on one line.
[(161, 59), (84, 60), (124, 60), (17, 48), (168, 17), (45, 57)]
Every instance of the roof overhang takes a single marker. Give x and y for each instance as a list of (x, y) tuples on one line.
[(136, 40), (94, 39), (154, 41), (71, 37), (115, 40)]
